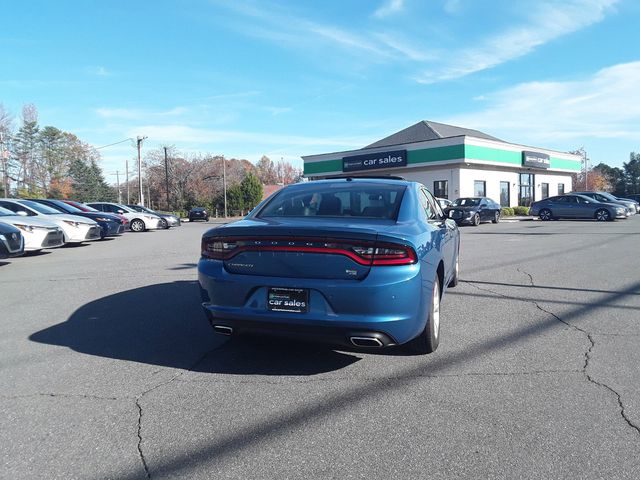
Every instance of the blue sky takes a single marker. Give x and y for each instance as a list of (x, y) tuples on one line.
[(291, 78)]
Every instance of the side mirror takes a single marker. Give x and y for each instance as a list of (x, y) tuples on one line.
[(22, 213), (120, 211)]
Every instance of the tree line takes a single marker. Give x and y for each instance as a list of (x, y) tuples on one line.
[(47, 162), (199, 180), (602, 177)]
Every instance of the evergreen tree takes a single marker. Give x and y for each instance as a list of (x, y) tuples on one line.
[(252, 191)]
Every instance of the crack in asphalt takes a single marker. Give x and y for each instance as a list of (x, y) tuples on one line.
[(58, 395), (302, 381), (141, 455), (587, 355), (140, 452)]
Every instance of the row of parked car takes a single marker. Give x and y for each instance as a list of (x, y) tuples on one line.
[(32, 224), (601, 206)]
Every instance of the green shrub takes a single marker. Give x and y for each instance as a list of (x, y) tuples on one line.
[(506, 212), (521, 210)]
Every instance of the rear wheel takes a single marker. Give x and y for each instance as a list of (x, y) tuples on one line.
[(476, 220), (496, 217), (545, 214), (137, 225), (603, 215), (428, 340)]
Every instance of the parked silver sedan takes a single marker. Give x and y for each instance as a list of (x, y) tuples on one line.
[(576, 206)]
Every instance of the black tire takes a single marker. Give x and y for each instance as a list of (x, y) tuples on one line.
[(429, 339), (496, 217), (545, 214), (476, 220), (164, 224), (137, 225), (603, 215), (456, 272)]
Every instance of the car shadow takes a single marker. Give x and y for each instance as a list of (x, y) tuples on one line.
[(164, 325)]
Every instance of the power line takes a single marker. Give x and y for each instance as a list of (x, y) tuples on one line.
[(116, 143)]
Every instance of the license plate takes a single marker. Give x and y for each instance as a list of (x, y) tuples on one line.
[(294, 300)]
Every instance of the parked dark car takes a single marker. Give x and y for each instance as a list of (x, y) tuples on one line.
[(110, 225), (166, 219), (474, 210), (11, 241), (606, 197), (198, 213), (576, 206), (352, 261), (636, 203)]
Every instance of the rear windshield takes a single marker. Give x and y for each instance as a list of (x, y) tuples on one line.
[(467, 202), (328, 200)]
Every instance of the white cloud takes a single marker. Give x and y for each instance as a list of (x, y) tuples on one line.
[(452, 6), (390, 7), (98, 71), (605, 105), (545, 22), (138, 114), (187, 134)]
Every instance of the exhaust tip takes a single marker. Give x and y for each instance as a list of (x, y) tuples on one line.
[(223, 330), (366, 342)]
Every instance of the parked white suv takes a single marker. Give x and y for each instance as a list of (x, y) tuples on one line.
[(138, 221)]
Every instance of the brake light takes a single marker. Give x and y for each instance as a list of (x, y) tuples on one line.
[(362, 252)]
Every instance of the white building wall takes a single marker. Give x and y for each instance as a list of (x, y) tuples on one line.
[(553, 181), (492, 178), (427, 177)]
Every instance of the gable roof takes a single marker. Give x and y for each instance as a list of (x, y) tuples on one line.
[(427, 130)]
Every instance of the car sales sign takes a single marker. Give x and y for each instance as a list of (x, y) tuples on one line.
[(371, 161), (535, 160)]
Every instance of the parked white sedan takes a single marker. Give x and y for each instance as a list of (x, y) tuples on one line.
[(37, 233), (138, 221), (76, 229)]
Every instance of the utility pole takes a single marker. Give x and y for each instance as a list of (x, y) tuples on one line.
[(166, 176), (5, 172), (118, 186), (139, 143), (126, 171), (224, 185)]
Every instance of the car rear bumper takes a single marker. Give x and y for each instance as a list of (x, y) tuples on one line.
[(387, 304)]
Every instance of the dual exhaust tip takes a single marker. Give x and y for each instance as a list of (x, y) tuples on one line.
[(366, 342), (223, 330), (362, 341)]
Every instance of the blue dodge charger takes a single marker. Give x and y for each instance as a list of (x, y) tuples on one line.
[(350, 261)]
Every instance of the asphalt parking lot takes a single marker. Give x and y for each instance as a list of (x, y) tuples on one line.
[(109, 370)]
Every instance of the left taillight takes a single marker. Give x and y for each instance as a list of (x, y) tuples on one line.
[(218, 248)]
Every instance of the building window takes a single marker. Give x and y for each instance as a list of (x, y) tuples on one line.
[(479, 188), (561, 189), (441, 189), (545, 190), (525, 195), (505, 194)]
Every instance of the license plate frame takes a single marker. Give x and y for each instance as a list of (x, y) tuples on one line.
[(287, 299)]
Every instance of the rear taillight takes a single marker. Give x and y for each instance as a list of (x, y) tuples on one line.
[(362, 252)]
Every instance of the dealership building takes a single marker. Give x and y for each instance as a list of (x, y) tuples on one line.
[(456, 162)]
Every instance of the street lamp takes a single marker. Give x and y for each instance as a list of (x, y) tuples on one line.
[(139, 142)]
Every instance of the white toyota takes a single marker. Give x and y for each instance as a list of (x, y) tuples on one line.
[(37, 233), (76, 229), (138, 221)]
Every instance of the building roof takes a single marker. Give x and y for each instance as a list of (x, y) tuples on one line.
[(427, 130)]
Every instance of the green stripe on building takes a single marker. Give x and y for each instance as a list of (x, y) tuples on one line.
[(436, 154), (474, 152), (324, 166), (564, 164)]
